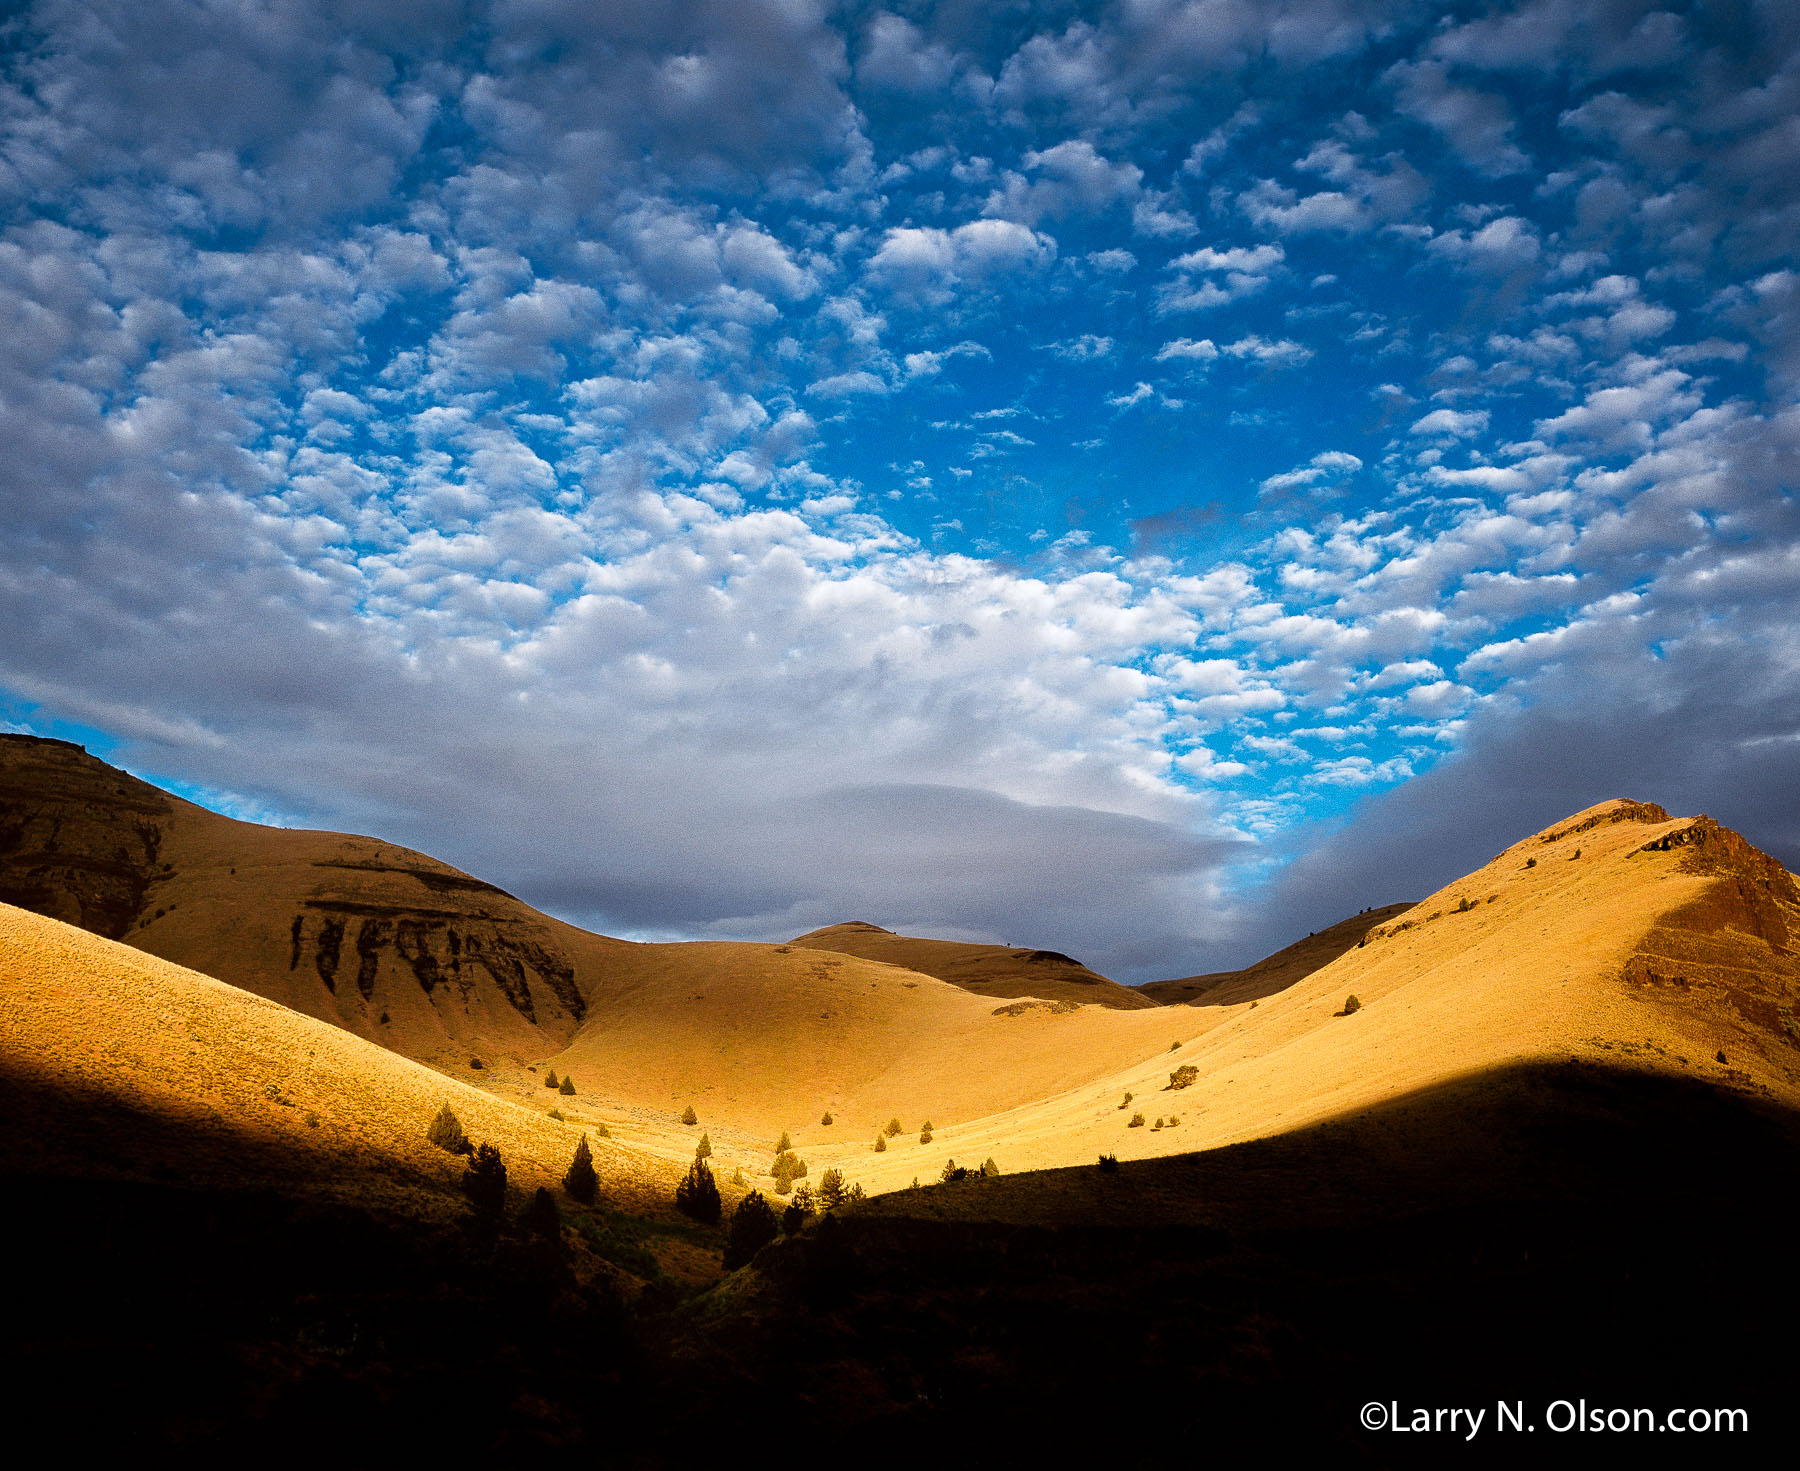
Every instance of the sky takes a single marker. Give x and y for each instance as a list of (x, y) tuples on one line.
[(1145, 480)]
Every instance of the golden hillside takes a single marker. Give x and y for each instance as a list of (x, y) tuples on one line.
[(375, 938), (1273, 972), (120, 1064)]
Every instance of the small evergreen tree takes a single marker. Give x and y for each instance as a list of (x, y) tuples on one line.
[(783, 1144), (803, 1197), (446, 1132), (893, 1129), (831, 1190), (581, 1182), (1137, 1121), (881, 1143), (567, 1086), (1126, 1101), (602, 1132), (557, 1114), (855, 1195), (826, 1121), (737, 1176), (703, 1150), (698, 1194), (1351, 1004), (988, 1168), (549, 1077), (1184, 1075), (793, 1219), (688, 1115), (925, 1136), (753, 1226), (484, 1182), (925, 1128), (541, 1217), (1109, 1164)]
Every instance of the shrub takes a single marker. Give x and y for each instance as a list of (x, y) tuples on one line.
[(737, 1176), (567, 1086), (541, 1217), (831, 1190), (549, 1077), (988, 1168), (1158, 1124), (688, 1116), (703, 1150), (1173, 1121), (925, 1128), (698, 1194), (1174, 1047), (855, 1195), (1137, 1121), (1531, 863), (484, 1182), (1109, 1163), (581, 1182), (446, 1132), (894, 1129), (783, 1144), (803, 1198), (826, 1121), (753, 1226), (925, 1136), (1351, 1004), (1183, 1076), (1125, 1102), (881, 1143), (557, 1114), (475, 1063), (602, 1132)]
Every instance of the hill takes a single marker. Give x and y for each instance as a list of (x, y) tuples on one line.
[(987, 970), (377, 939), (1273, 972)]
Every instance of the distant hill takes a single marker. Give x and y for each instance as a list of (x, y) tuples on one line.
[(987, 970), (1274, 972)]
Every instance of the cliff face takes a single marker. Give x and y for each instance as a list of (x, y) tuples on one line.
[(386, 942)]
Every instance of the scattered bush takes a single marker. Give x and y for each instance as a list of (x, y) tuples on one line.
[(1531, 863), (894, 1130), (1137, 1121), (1174, 1047), (703, 1150), (446, 1132), (698, 1194), (550, 1077), (1351, 1005), (602, 1132), (1109, 1163), (1173, 1121), (881, 1143), (1157, 1125), (925, 1136), (753, 1226), (688, 1116), (1722, 1056), (826, 1121), (737, 1176), (1183, 1076), (1576, 854), (475, 1062), (484, 1182), (1464, 904), (567, 1086), (1126, 1101), (988, 1168), (557, 1114), (581, 1182)]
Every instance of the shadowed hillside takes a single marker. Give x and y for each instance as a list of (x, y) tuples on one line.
[(1274, 972), (987, 970)]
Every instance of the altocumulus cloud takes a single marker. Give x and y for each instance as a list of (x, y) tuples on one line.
[(693, 463)]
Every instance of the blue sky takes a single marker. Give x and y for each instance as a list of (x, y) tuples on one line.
[(1146, 479)]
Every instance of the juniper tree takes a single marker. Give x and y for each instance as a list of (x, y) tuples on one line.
[(446, 1131), (827, 1119), (567, 1086), (549, 1077), (894, 1129), (581, 1181), (703, 1150), (688, 1115), (753, 1226), (698, 1194), (540, 1217), (484, 1182), (831, 1190), (783, 1144), (881, 1143)]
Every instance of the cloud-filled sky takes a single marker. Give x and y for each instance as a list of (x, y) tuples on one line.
[(1144, 479)]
